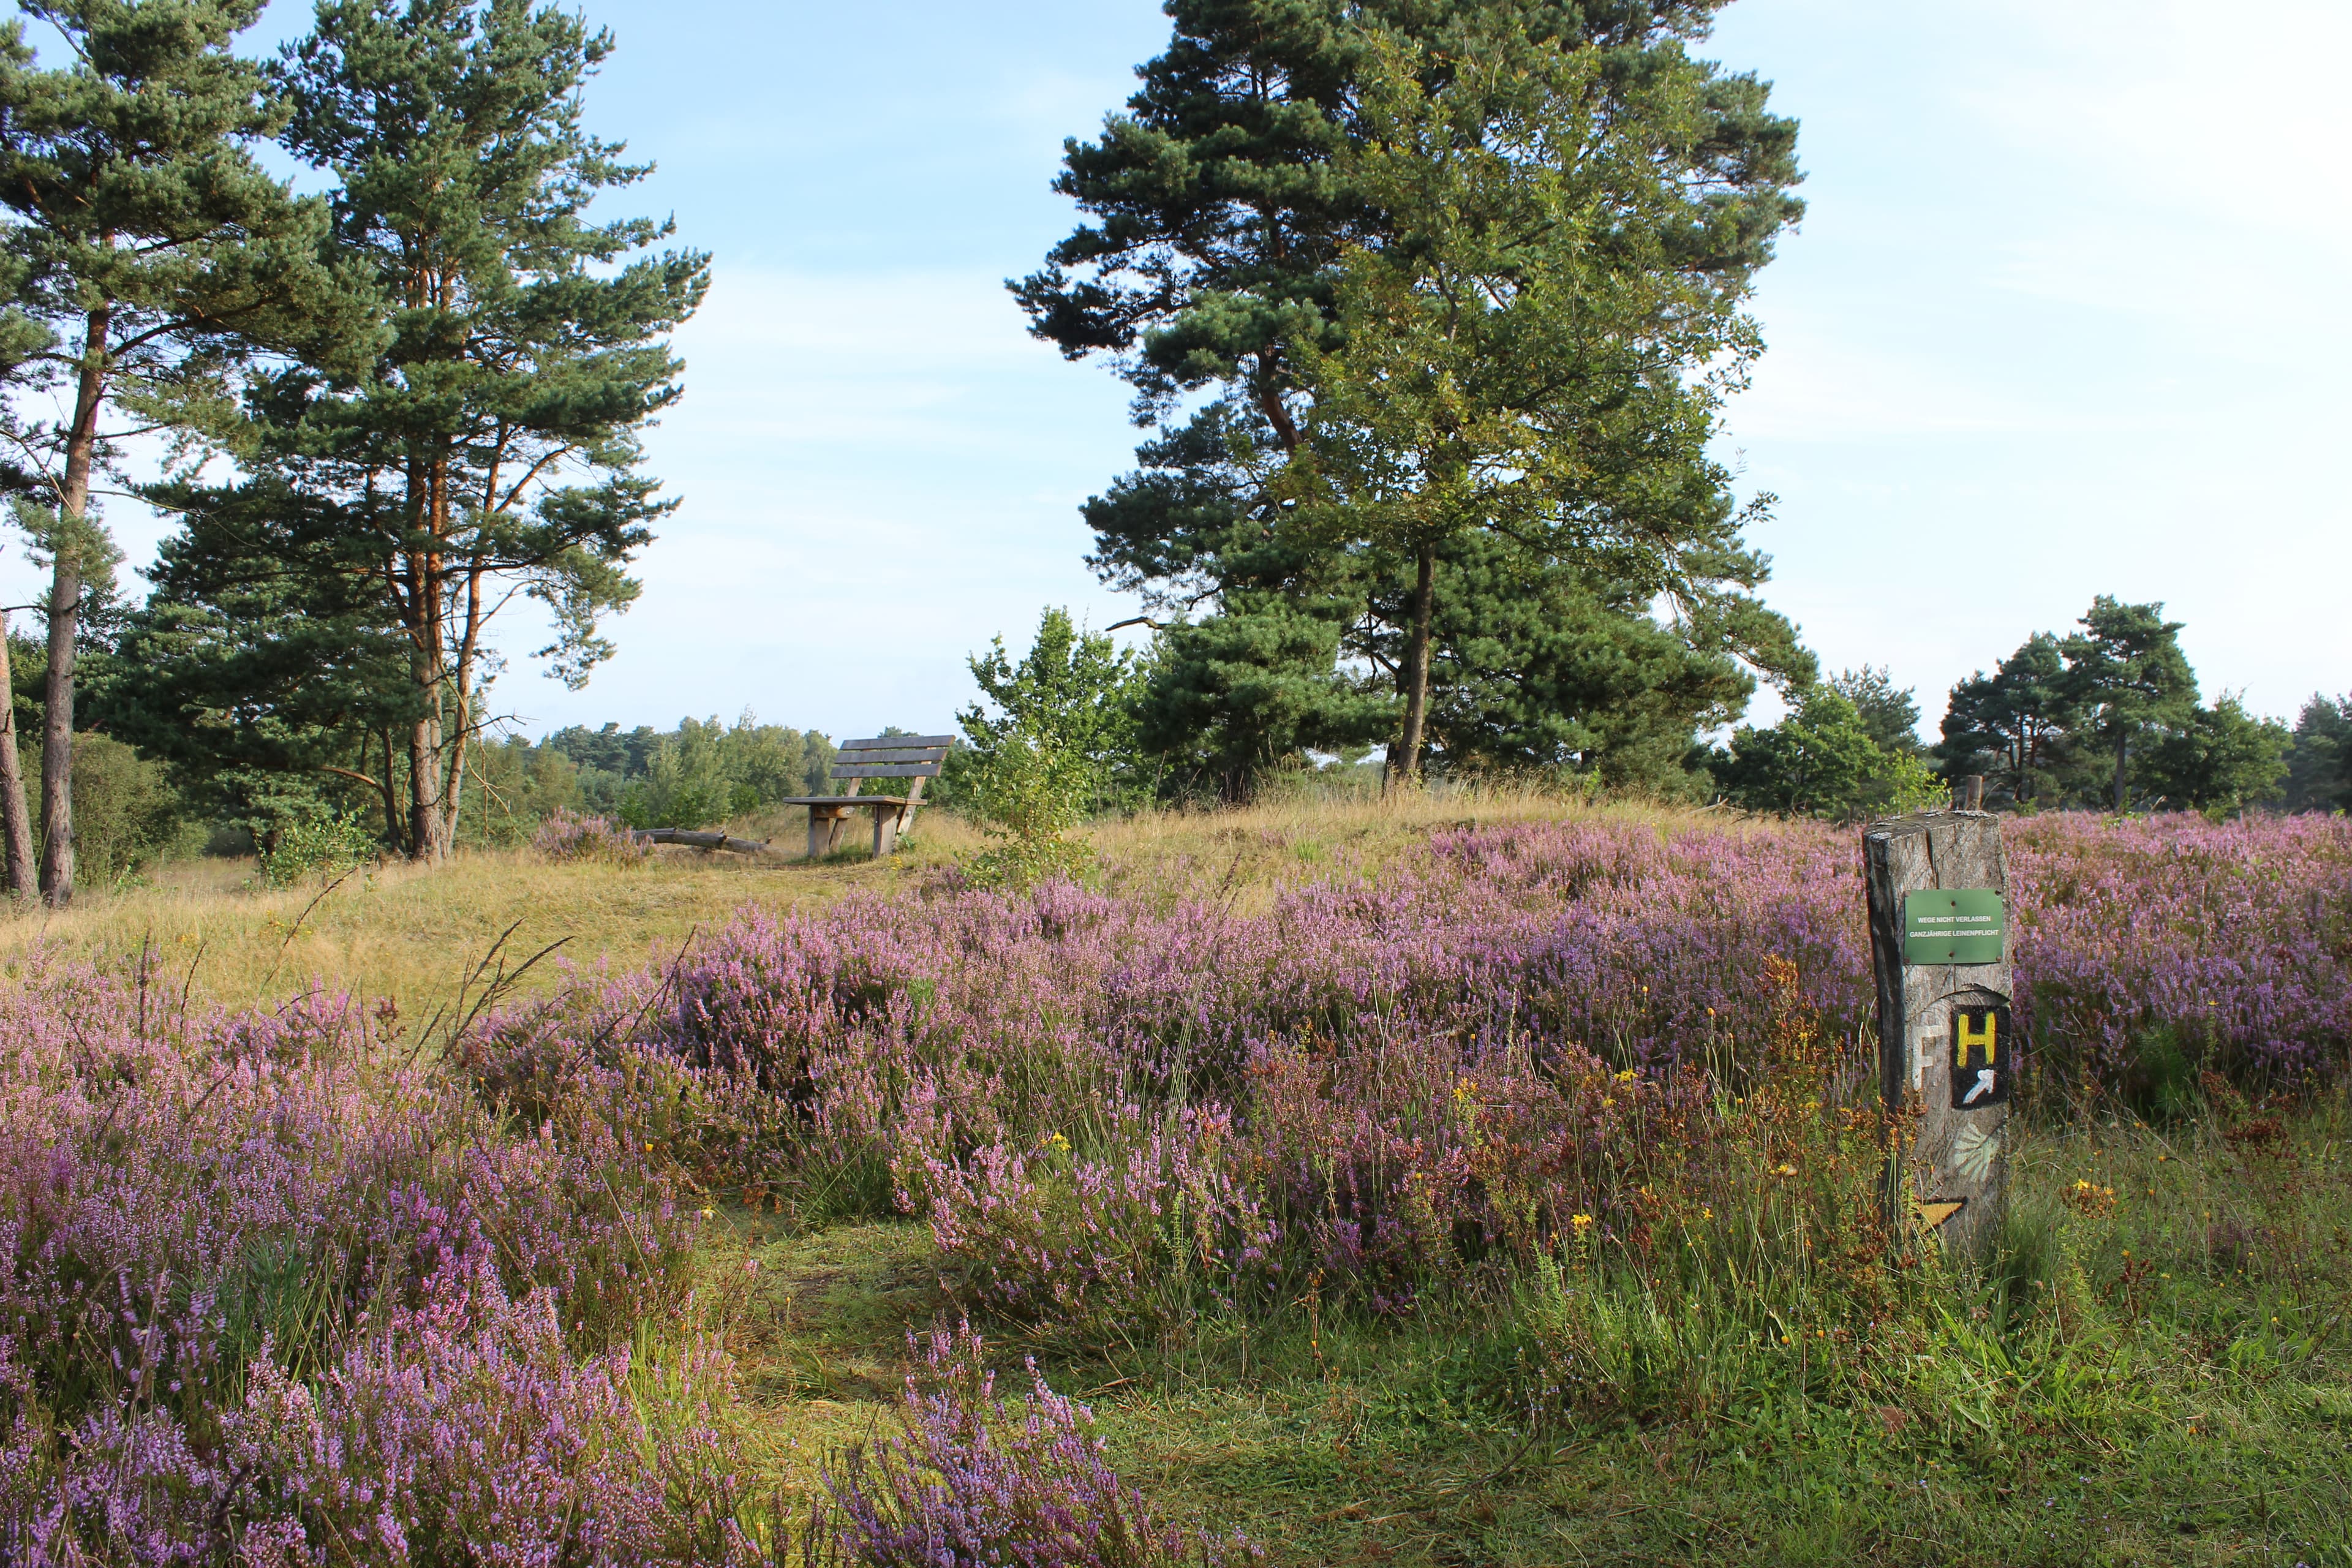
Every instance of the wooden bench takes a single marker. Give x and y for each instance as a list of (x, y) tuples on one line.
[(916, 757)]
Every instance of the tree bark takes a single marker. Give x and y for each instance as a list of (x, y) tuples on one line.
[(66, 582), (2123, 749), (393, 826), (424, 818), (18, 875), (1407, 767)]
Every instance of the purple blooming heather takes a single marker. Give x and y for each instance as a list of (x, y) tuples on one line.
[(213, 1220), (1108, 1108), (269, 1288), (564, 837)]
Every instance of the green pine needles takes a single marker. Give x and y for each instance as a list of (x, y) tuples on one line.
[(472, 434), (148, 253)]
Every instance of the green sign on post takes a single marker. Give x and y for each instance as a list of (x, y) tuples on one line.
[(1953, 925)]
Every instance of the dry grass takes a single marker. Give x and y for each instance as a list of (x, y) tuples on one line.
[(415, 935), (1248, 855)]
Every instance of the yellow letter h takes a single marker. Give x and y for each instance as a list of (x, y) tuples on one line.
[(1982, 1036)]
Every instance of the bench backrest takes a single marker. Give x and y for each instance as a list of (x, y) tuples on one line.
[(892, 757)]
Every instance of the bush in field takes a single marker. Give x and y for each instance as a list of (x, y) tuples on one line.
[(328, 843), (563, 837), (1059, 747), (1031, 795), (126, 816), (972, 1476)]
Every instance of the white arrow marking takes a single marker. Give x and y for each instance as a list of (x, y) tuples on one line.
[(1984, 1086)]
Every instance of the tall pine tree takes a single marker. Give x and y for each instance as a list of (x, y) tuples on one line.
[(490, 442), (1221, 204), (2127, 669), (146, 238)]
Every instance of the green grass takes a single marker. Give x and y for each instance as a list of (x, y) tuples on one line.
[(2169, 1382)]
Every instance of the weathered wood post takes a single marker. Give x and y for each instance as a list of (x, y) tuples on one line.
[(1937, 893)]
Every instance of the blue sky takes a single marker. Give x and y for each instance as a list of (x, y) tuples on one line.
[(2067, 317)]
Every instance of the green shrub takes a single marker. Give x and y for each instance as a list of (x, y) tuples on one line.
[(127, 816), (329, 843), (1031, 794)]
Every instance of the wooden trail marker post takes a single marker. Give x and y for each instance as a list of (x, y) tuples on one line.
[(1938, 891)]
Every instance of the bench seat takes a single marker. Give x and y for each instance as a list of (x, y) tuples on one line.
[(913, 757)]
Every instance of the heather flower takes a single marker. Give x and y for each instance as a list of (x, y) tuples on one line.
[(565, 836)]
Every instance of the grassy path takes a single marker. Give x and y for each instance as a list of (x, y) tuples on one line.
[(2198, 1441)]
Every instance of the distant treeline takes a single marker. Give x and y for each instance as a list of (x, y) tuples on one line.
[(135, 807), (2105, 716), (701, 773)]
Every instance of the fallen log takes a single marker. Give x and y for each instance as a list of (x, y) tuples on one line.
[(699, 840)]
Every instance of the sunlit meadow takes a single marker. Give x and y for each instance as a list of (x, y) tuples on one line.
[(1506, 1191)]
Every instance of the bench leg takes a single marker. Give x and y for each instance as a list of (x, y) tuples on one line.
[(886, 830), (825, 823)]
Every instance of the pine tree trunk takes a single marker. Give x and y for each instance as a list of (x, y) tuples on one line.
[(425, 820), (18, 875), (2123, 747), (1406, 768), (65, 620), (454, 741), (394, 828), (429, 820)]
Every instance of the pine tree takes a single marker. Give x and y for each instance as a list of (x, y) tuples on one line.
[(2017, 723), (2126, 668), (147, 236), (1223, 203), (1890, 712), (1523, 356), (2221, 761), (2319, 776), (1552, 668), (1232, 696), (272, 687), (489, 444)]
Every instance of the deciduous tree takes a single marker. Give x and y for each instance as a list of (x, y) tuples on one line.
[(1821, 761)]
